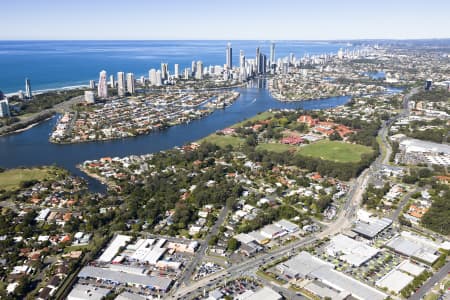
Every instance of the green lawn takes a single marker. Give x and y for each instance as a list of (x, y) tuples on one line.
[(11, 179), (275, 147), (335, 151), (258, 117), (223, 140)]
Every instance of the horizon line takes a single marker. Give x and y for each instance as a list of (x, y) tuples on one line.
[(268, 39)]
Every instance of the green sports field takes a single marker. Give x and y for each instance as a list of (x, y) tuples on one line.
[(335, 151)]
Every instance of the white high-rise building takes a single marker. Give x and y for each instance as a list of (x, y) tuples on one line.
[(92, 84), (229, 57), (187, 72), (199, 70), (130, 83), (158, 80), (177, 70), (152, 76), (89, 97), (242, 69), (340, 54), (102, 85), (121, 86), (28, 92), (272, 54), (4, 106), (112, 83)]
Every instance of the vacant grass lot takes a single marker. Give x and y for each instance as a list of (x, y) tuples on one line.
[(335, 151), (223, 140), (11, 179), (279, 148), (262, 116)]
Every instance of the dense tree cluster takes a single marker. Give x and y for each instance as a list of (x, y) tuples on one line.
[(438, 216), (434, 95)]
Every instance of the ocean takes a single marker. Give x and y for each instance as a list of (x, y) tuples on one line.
[(57, 64)]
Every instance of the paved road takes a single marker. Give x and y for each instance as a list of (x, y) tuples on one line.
[(438, 276), (201, 251), (237, 270), (394, 216)]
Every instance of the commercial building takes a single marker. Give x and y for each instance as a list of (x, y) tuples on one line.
[(87, 292), (369, 227), (287, 226), (117, 277), (354, 252), (147, 251), (102, 85), (395, 281), (416, 247), (129, 296), (306, 266), (415, 151), (113, 247), (265, 293)]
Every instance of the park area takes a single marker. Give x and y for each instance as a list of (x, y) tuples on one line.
[(12, 179)]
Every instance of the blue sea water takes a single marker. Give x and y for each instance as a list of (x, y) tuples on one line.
[(55, 64)]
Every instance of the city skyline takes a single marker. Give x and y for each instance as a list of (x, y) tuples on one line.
[(283, 20)]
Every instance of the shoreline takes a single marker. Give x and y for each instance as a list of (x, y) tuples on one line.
[(30, 126), (27, 124), (56, 89)]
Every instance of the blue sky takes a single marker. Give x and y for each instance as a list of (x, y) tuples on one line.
[(223, 20)]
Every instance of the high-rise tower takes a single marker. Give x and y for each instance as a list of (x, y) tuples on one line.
[(121, 86), (28, 93), (102, 85), (229, 56), (130, 83)]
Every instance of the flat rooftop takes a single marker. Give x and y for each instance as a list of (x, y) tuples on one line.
[(309, 266), (371, 228), (161, 283), (87, 292), (352, 251), (395, 281), (113, 247), (415, 145)]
